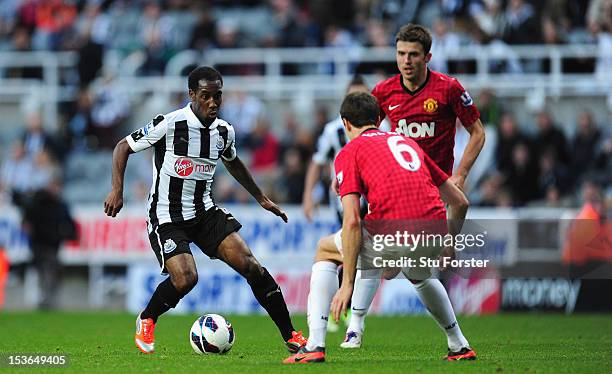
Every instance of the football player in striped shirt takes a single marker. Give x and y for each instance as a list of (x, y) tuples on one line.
[(188, 143)]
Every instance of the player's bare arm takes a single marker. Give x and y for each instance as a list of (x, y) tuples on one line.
[(351, 240), (114, 200), (472, 150), (312, 175), (237, 169)]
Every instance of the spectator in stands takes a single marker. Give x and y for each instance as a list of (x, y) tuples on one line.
[(550, 32), (556, 22), (35, 138), (509, 135), (486, 195), (521, 26), (47, 221), (158, 37), (376, 34), (80, 123), (21, 41), (552, 174), (17, 170), (265, 148), (8, 18), (54, 24), (584, 145), (286, 30), (600, 24), (45, 168), (243, 111), (489, 17), (445, 42), (228, 35), (522, 175), (292, 176), (550, 138), (490, 108), (204, 33), (109, 111), (598, 15), (89, 64), (94, 32)]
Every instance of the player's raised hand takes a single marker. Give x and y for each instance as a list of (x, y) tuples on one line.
[(340, 302), (269, 205), (113, 203)]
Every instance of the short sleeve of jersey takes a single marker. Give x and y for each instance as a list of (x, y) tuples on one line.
[(229, 153), (148, 135), (347, 173), (324, 147), (437, 175), (463, 104)]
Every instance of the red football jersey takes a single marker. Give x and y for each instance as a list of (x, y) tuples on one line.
[(428, 114), (392, 172)]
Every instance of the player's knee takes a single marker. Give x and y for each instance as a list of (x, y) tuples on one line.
[(185, 280)]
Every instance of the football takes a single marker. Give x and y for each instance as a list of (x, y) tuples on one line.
[(211, 334)]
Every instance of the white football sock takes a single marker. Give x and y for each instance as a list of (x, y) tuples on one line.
[(434, 297), (366, 285), (323, 287)]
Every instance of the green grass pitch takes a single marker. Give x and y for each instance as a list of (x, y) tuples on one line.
[(507, 343)]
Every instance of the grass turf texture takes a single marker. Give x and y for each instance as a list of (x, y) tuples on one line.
[(103, 342)]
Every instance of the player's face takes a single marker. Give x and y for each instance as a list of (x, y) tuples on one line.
[(411, 60), (207, 99)]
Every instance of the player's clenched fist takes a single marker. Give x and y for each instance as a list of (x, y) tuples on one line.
[(113, 203)]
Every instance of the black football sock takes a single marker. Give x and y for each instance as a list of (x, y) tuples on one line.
[(269, 295), (164, 298)]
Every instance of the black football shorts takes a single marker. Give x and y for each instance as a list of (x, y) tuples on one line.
[(207, 232)]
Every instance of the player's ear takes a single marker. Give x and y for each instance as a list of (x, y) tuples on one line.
[(428, 57), (192, 94), (347, 124)]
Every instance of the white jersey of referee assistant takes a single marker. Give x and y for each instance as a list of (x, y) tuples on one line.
[(184, 162)]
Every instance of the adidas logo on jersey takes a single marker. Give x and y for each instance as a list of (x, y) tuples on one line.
[(416, 129)]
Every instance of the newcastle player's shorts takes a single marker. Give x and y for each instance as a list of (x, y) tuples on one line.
[(207, 232)]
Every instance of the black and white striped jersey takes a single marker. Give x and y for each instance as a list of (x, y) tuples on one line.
[(330, 142), (184, 162)]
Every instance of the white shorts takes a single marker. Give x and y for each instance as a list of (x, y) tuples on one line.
[(367, 256)]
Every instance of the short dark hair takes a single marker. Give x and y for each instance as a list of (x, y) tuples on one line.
[(207, 73), (360, 109), (415, 34)]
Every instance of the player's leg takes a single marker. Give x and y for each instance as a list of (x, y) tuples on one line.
[(366, 285), (234, 252), (436, 300), (323, 286), (183, 277), (171, 247)]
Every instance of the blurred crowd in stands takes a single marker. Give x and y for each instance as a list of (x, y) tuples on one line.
[(153, 31), (547, 167)]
